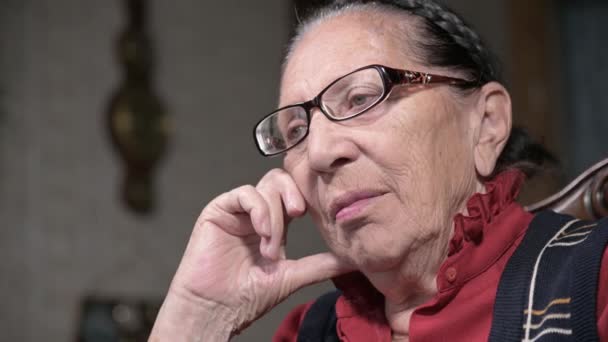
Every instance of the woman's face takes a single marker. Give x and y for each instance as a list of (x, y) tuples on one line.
[(382, 187)]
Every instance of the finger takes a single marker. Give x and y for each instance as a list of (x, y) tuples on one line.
[(314, 269), (233, 209), (277, 225), (285, 202), (279, 179), (249, 200), (263, 210)]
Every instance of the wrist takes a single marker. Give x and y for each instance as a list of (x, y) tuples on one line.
[(184, 317)]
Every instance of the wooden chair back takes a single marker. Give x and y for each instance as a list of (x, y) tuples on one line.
[(586, 197)]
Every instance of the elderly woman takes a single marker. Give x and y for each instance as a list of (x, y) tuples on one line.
[(395, 134)]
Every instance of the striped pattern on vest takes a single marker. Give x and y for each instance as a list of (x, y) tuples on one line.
[(548, 290)]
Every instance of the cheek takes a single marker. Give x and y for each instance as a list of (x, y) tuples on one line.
[(403, 147), (424, 151)]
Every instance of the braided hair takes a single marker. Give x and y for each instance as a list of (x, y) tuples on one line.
[(446, 40)]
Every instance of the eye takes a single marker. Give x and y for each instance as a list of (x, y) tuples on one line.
[(295, 131), (361, 98)]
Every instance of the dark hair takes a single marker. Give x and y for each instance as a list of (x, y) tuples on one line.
[(451, 43)]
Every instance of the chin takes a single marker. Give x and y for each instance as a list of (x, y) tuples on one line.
[(375, 259), (369, 247)]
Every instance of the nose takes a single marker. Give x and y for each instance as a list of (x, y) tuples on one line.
[(330, 146)]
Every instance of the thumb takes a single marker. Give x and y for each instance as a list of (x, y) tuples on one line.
[(315, 269)]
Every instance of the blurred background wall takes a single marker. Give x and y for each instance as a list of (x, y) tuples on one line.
[(65, 234)]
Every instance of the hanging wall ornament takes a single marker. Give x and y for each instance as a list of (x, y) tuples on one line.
[(138, 123)]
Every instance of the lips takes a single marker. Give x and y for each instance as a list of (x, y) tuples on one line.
[(350, 201)]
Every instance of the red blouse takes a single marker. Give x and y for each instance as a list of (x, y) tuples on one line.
[(467, 281)]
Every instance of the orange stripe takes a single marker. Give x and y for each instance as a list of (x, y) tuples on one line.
[(554, 302)]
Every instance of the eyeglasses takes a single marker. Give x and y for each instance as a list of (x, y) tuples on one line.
[(345, 98)]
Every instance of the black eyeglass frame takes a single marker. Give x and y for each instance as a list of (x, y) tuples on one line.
[(391, 77)]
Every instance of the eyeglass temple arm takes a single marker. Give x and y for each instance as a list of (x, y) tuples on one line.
[(413, 77)]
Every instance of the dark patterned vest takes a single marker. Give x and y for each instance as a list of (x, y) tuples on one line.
[(548, 291)]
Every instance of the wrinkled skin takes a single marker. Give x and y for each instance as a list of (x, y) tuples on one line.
[(412, 149), (420, 153)]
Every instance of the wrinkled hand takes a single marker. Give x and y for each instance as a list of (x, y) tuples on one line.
[(235, 259)]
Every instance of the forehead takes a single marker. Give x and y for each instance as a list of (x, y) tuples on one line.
[(338, 45)]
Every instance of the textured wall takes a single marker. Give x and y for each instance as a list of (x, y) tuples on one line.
[(15, 283), (63, 233)]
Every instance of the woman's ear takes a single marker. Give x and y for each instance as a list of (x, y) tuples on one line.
[(493, 126)]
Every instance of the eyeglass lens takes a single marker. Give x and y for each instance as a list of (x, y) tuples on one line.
[(343, 99)]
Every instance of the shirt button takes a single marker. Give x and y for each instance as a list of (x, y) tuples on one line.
[(450, 274)]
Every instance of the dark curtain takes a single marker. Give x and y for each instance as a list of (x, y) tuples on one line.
[(584, 42)]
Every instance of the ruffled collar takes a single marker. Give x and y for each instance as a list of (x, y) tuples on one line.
[(482, 208)]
